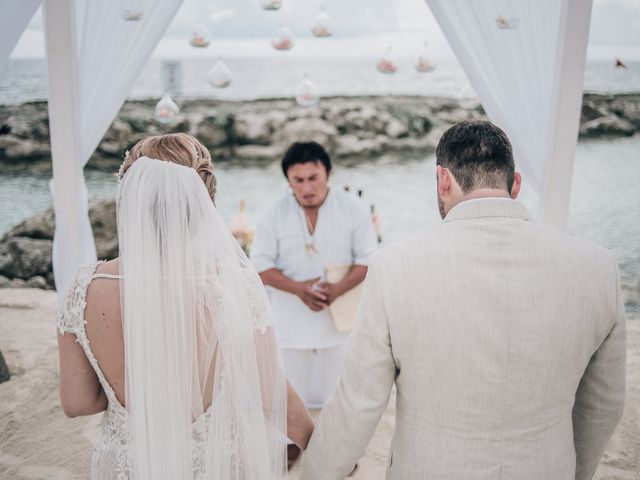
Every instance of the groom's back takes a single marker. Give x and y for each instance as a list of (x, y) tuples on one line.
[(492, 322)]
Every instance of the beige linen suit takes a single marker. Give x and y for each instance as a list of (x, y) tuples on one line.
[(506, 343)]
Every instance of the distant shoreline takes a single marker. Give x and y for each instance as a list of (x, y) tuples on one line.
[(260, 130)]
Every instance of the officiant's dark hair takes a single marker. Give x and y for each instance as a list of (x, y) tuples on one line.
[(303, 152), (478, 154)]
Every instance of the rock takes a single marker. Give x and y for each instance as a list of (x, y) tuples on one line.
[(254, 129), (627, 110), (22, 149), (350, 145), (590, 112), (611, 125), (363, 121), (307, 130), (419, 125), (39, 226), (4, 370), (396, 129), (212, 130), (25, 251), (119, 132), (37, 282), (102, 215), (24, 257), (18, 283), (257, 129), (4, 282)]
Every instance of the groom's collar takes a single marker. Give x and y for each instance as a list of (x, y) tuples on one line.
[(487, 207)]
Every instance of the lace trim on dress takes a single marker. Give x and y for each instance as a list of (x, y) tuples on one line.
[(112, 453)]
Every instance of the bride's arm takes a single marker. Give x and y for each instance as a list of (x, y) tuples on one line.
[(280, 406), (80, 389), (299, 422)]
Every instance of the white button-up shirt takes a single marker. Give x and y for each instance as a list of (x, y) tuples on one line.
[(343, 235)]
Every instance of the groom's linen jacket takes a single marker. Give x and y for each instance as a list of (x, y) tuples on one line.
[(506, 343)]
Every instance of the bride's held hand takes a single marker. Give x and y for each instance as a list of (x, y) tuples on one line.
[(312, 296)]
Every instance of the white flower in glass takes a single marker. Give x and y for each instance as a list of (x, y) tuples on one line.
[(200, 36), (220, 75), (323, 26), (307, 93), (270, 4), (166, 110), (423, 64), (387, 63), (507, 17), (132, 10), (283, 39)]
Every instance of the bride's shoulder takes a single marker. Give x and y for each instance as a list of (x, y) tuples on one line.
[(108, 267), (71, 316)]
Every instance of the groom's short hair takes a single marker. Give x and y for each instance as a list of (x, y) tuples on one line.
[(478, 154)]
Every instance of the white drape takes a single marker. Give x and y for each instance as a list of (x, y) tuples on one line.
[(529, 80), (14, 17), (94, 57)]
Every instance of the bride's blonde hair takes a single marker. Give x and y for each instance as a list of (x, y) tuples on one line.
[(179, 148)]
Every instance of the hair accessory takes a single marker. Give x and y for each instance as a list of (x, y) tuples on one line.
[(120, 173)]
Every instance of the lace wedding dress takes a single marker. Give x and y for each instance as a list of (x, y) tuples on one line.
[(205, 392)]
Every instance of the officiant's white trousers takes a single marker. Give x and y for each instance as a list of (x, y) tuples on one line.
[(313, 373)]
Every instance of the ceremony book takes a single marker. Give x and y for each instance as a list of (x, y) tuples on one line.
[(343, 309)]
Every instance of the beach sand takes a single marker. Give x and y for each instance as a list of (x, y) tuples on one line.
[(38, 442)]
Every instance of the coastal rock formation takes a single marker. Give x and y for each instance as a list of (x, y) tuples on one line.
[(262, 129), (25, 250)]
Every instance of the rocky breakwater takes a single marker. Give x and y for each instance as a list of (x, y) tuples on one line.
[(262, 129), (256, 130), (25, 250)]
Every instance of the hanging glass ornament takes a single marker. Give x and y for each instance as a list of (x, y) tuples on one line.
[(423, 64), (507, 17), (166, 110), (200, 36), (132, 10), (323, 26), (387, 63), (283, 39), (307, 93), (270, 4), (220, 75)]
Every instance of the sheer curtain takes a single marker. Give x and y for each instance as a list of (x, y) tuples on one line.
[(529, 80), (14, 17), (94, 58)]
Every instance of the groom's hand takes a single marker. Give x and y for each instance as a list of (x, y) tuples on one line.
[(312, 296)]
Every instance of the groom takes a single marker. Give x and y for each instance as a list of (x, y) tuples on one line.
[(505, 339)]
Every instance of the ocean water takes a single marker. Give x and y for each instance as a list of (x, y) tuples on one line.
[(605, 198), (24, 80)]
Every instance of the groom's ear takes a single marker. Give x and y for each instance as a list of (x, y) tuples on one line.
[(517, 183), (444, 181)]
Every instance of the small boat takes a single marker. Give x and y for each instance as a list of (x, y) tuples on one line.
[(620, 63)]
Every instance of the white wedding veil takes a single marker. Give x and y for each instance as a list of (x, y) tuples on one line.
[(205, 392)]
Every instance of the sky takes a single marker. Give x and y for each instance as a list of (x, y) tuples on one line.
[(240, 27)]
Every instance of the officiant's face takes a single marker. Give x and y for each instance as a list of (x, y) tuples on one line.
[(309, 183)]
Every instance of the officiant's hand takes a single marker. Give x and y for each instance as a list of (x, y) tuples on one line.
[(329, 290), (312, 296)]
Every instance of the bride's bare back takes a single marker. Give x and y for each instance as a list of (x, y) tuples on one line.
[(104, 325)]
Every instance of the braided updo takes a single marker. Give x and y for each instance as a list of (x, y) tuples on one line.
[(179, 148)]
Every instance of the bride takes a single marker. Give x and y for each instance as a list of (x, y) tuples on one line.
[(174, 338)]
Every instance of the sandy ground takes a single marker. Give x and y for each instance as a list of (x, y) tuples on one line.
[(38, 442)]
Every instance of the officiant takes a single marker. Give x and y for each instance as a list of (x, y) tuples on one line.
[(311, 247)]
